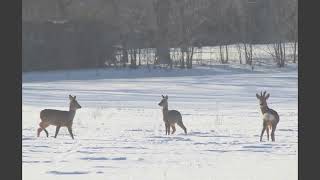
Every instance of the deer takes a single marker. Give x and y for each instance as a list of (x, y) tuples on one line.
[(171, 117), (59, 118), (270, 117)]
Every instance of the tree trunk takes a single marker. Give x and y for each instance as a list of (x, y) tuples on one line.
[(163, 54), (133, 58), (279, 54), (139, 56), (227, 54), (187, 57), (147, 56), (248, 53), (125, 58), (294, 52), (221, 54), (182, 64), (190, 58), (284, 54), (251, 60), (239, 51), (155, 60), (281, 57), (162, 8)]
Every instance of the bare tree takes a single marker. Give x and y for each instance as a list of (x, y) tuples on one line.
[(292, 24), (162, 9), (248, 31), (186, 18), (280, 29)]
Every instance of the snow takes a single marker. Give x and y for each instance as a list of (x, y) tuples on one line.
[(119, 132)]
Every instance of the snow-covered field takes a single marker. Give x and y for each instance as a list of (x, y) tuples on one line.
[(119, 132)]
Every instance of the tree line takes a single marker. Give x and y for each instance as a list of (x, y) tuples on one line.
[(65, 34)]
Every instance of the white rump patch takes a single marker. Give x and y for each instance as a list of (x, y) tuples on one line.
[(268, 117)]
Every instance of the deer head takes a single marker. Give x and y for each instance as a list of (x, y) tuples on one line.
[(263, 98), (74, 105), (164, 101)]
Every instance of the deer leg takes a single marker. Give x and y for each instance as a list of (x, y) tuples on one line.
[(39, 131), (43, 127), (46, 132), (57, 131), (263, 129), (272, 132), (70, 132), (267, 133), (182, 126), (167, 127), (173, 129)]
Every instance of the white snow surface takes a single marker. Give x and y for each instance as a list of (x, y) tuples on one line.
[(120, 135)]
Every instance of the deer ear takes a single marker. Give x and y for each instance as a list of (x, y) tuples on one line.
[(162, 96), (74, 97), (70, 97), (257, 95), (166, 96), (268, 95)]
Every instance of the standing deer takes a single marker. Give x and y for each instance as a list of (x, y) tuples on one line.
[(270, 116), (171, 117), (59, 118)]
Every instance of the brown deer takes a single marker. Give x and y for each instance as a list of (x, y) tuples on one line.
[(171, 117), (59, 118), (270, 116)]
